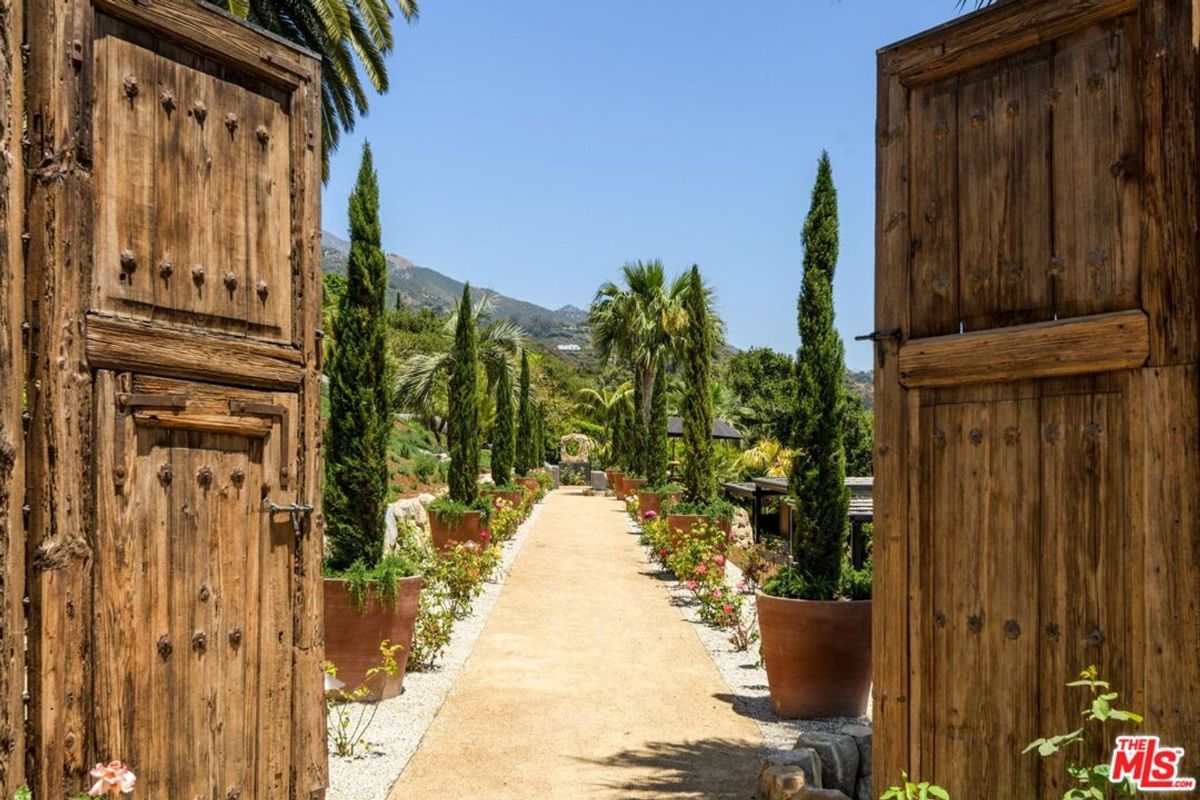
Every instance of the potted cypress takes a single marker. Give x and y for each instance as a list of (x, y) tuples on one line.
[(368, 597), (700, 500), (524, 457), (459, 515), (815, 613), (504, 440), (658, 495)]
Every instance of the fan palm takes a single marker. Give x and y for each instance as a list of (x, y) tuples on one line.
[(604, 404), (420, 380), (638, 324), (346, 35)]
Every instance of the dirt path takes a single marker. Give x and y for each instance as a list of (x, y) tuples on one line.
[(586, 683)]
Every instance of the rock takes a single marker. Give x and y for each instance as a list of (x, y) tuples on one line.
[(599, 480), (863, 791), (406, 509), (740, 533), (812, 793), (839, 758), (862, 737), (779, 781), (802, 758)]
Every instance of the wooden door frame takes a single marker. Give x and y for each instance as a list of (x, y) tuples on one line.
[(68, 343)]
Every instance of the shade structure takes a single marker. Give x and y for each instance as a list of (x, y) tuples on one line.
[(721, 429)]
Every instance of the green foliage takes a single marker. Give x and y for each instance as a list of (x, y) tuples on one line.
[(452, 511), (23, 793), (1091, 782), (818, 465), (657, 447), (638, 433), (764, 382), (856, 583), (908, 790), (381, 580), (350, 716), (718, 508), (699, 476), (524, 460), (360, 409), (464, 406), (858, 436), (504, 438)]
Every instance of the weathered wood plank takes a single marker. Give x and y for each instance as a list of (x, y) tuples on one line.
[(143, 346), (890, 625), (1004, 193), (935, 209), (1097, 343), (60, 443), (1096, 149), (993, 34), (1170, 285), (12, 371), (220, 36)]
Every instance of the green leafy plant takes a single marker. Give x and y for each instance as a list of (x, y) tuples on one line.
[(452, 511), (908, 790), (718, 509), (350, 716), (381, 581), (1091, 782), (23, 793), (817, 483), (435, 625)]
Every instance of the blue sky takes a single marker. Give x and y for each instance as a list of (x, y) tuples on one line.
[(535, 147)]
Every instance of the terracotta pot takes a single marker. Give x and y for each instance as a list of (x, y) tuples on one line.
[(447, 533), (818, 656), (654, 501), (631, 485), (680, 525), (611, 476), (352, 637), (530, 484), (514, 496)]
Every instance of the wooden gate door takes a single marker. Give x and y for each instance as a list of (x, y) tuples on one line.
[(175, 588), (1037, 407)]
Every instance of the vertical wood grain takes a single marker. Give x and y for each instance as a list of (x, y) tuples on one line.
[(934, 213), (890, 626), (12, 384)]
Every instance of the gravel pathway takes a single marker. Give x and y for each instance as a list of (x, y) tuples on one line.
[(745, 676), (400, 723)]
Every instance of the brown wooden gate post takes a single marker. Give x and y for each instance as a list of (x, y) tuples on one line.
[(174, 293), (12, 369)]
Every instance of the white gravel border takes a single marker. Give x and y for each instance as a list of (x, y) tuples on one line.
[(400, 723), (743, 674)]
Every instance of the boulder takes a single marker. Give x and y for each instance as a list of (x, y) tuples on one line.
[(803, 759), (407, 509), (779, 781), (740, 533), (838, 754), (862, 737), (863, 791)]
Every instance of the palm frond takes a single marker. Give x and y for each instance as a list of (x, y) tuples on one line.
[(417, 381)]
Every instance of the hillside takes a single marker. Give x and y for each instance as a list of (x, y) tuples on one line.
[(422, 287)]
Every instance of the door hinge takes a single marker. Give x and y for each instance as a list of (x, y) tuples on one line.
[(127, 403), (269, 410)]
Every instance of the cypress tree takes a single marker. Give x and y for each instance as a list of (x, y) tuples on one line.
[(504, 439), (524, 454), (637, 445), (360, 416), (464, 406), (699, 473), (616, 439), (657, 452), (819, 465)]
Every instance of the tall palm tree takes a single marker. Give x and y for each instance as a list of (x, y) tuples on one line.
[(347, 35), (605, 404), (637, 324)]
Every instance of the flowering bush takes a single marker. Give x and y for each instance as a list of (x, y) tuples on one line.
[(631, 507), (505, 520), (435, 623), (461, 570)]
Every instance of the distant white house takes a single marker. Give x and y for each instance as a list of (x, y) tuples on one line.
[(569, 348)]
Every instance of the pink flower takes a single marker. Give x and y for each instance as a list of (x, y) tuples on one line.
[(499, 502), (742, 586), (651, 515), (719, 560), (702, 569), (112, 779), (663, 552), (728, 609), (691, 585), (485, 535)]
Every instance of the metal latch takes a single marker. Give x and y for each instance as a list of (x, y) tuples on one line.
[(268, 410), (296, 510), (878, 336), (126, 403)]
